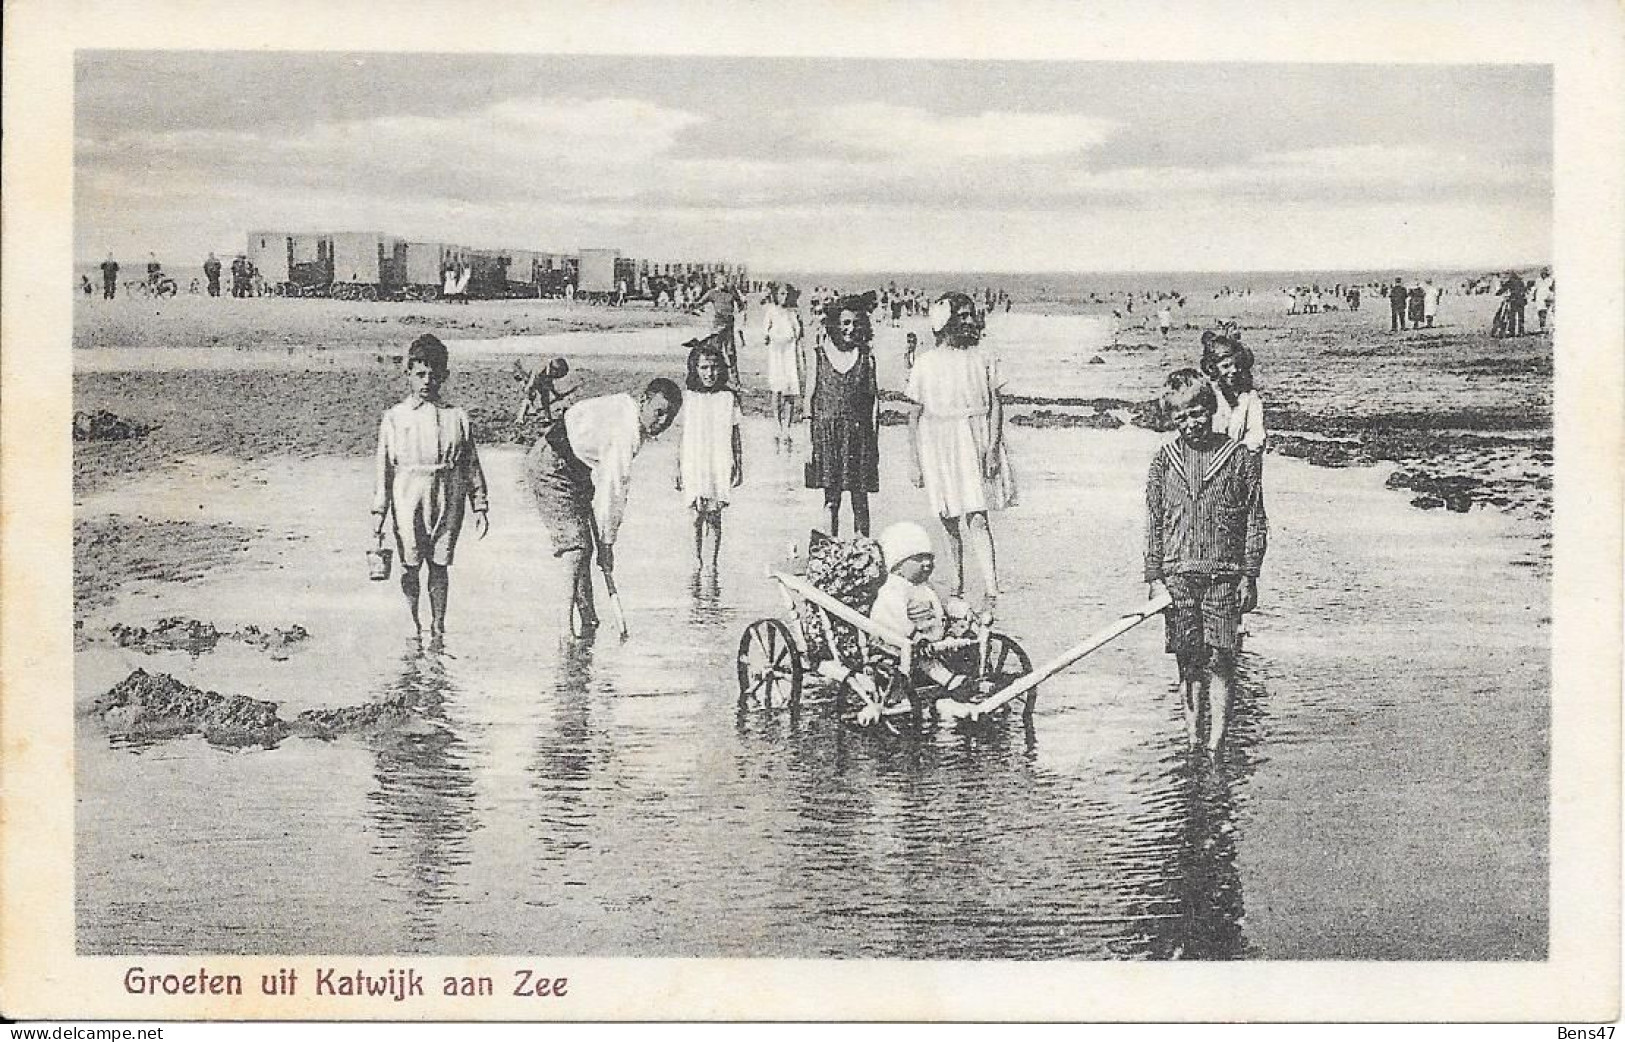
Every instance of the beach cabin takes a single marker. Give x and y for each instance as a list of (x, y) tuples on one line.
[(488, 277), (425, 261), (310, 263), (523, 269), (268, 252), (367, 265), (597, 271), (552, 272)]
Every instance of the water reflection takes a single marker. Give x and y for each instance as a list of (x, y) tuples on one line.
[(1200, 912), (567, 758), (423, 805), (962, 844)]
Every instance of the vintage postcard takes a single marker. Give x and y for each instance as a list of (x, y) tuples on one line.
[(812, 512)]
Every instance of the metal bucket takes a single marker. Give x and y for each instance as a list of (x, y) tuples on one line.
[(378, 563)]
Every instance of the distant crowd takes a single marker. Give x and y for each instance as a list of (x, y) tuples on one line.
[(245, 279)]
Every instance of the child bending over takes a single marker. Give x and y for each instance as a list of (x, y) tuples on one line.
[(540, 390)]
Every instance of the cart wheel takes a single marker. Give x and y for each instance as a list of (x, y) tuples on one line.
[(769, 666), (165, 288), (1006, 663), (894, 689), (369, 293)]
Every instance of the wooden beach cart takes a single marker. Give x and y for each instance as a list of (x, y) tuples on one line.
[(868, 676), (824, 650)]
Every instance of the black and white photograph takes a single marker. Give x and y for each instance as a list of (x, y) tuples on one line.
[(526, 508)]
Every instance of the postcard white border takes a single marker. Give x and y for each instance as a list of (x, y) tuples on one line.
[(41, 977)]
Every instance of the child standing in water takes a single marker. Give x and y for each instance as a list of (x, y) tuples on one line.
[(1238, 410), (428, 474), (957, 437), (781, 339), (710, 460), (842, 398), (1205, 536)]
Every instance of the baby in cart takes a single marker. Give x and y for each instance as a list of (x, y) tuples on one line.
[(907, 605)]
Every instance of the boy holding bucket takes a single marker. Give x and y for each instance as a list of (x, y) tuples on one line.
[(428, 474)]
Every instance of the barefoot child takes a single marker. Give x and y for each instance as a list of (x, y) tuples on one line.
[(1205, 536), (908, 606), (842, 399), (580, 472), (957, 436), (781, 340), (428, 473), (710, 460), (1239, 411)]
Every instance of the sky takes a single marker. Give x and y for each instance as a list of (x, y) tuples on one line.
[(823, 164)]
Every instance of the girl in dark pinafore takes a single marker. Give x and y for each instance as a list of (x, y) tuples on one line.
[(841, 403)]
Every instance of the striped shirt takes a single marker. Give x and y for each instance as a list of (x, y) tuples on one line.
[(1204, 510)]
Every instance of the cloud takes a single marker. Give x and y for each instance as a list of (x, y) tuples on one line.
[(1329, 175), (557, 172), (890, 130)]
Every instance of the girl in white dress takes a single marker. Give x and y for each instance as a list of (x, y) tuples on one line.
[(957, 433), (781, 334), (710, 461)]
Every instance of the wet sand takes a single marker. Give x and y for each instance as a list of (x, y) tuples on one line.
[(1385, 797)]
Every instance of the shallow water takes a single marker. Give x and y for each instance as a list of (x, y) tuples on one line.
[(1384, 796)]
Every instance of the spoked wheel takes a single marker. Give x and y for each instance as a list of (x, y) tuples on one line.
[(769, 667), (901, 708), (165, 288), (1007, 662)]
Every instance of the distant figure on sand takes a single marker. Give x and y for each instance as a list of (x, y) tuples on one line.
[(1414, 304), (710, 460), (428, 472), (725, 304), (1430, 301), (109, 278), (211, 272), (1397, 298), (1238, 410), (579, 473), (1165, 318), (1515, 290), (541, 390), (1205, 539), (1544, 297), (956, 434), (842, 399)]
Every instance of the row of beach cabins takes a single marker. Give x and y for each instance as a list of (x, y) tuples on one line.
[(376, 266)]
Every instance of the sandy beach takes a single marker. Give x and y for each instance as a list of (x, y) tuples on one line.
[(1412, 471)]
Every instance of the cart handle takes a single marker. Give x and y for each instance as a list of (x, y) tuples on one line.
[(1154, 606)]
